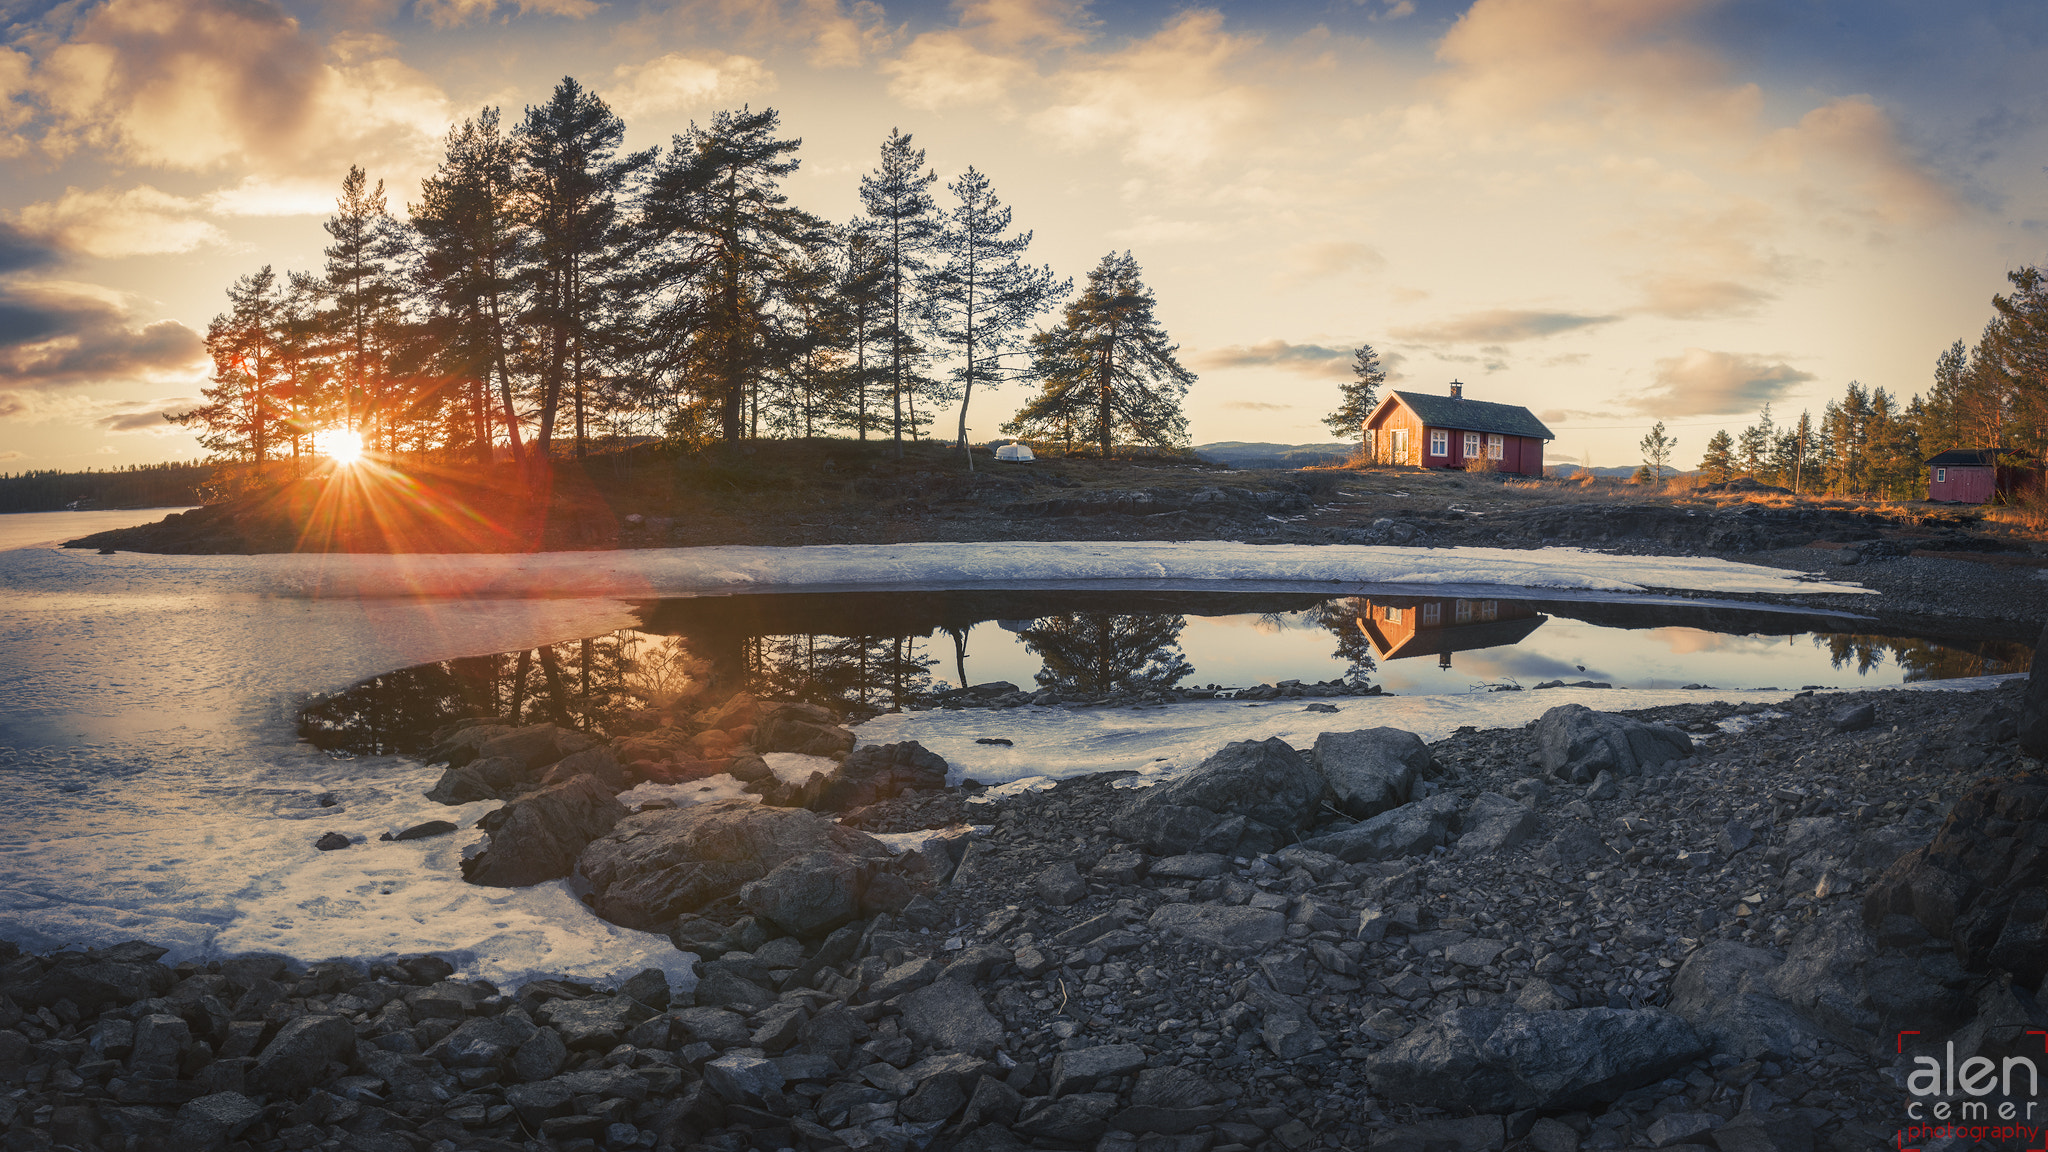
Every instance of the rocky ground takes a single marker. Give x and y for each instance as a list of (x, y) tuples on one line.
[(1702, 925)]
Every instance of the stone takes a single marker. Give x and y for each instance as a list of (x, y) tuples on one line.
[(539, 836), (1458, 1134), (803, 728), (211, 1121), (1575, 744), (158, 1040), (905, 977), (1119, 868), (1199, 866), (935, 1099), (649, 986), (1262, 780), (1853, 717), (655, 866), (1074, 1121), (496, 778), (483, 1042), (1061, 884), (1721, 991), (991, 1103), (715, 1025), (742, 1079), (1410, 830), (807, 895), (877, 772), (538, 1103), (297, 1057), (1681, 1128), (951, 1017), (422, 831), (1236, 931), (1489, 1061), (536, 745), (1493, 823), (331, 842), (2033, 711), (1539, 995), (540, 1056), (1550, 1135), (1373, 770), (599, 762), (728, 989), (598, 1023), (1085, 1068), (1167, 829), (1475, 953)]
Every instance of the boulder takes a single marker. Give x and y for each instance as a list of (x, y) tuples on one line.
[(1164, 829), (951, 1017), (1853, 717), (538, 837), (875, 773), (599, 762), (653, 866), (807, 895), (1262, 780), (536, 745), (1061, 884), (1373, 770), (297, 1057), (804, 728), (1575, 744), (1236, 931), (1484, 1060), (211, 1121), (1085, 1068), (1410, 830), (1493, 823), (1722, 991), (489, 778)]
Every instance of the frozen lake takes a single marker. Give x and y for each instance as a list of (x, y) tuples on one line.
[(156, 790)]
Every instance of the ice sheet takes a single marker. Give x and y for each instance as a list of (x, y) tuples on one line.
[(154, 788)]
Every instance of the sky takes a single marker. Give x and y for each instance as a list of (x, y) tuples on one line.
[(1613, 212)]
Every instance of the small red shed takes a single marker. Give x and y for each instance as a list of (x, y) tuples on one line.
[(1975, 476), (1448, 431)]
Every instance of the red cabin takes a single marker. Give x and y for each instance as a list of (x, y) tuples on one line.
[(1975, 476), (1450, 431)]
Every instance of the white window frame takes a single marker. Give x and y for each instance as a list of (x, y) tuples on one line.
[(1489, 609), (1463, 611), (1496, 445), (1433, 613), (1439, 442), (1393, 615), (1941, 475), (1471, 445)]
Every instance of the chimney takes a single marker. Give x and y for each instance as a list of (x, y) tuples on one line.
[(1457, 390)]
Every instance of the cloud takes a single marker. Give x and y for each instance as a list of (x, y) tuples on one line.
[(56, 334), (275, 196), (1321, 259), (1853, 140), (150, 417), (1704, 383), (829, 33), (676, 81), (449, 13), (988, 55), (137, 221), (198, 85), (1681, 297), (1499, 326), (11, 454), (1170, 101), (1307, 359), (1255, 406), (20, 251)]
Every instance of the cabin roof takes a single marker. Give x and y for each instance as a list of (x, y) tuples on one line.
[(1967, 457), (1473, 415)]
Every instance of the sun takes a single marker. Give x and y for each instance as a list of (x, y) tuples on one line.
[(339, 444)]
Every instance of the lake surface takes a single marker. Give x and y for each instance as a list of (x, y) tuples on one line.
[(29, 529), (872, 652)]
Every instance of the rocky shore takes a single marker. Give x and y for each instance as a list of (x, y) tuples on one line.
[(1696, 926)]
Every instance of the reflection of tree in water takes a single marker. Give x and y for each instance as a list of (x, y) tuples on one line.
[(1340, 618), (864, 671), (1098, 651), (1926, 659)]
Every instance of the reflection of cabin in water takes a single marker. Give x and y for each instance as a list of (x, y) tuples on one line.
[(1440, 626)]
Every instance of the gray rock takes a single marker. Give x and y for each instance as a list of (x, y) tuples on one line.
[(743, 1079), (1119, 868), (1681, 1128), (1410, 830), (1853, 717), (804, 728), (535, 1103), (2033, 715), (1237, 931), (1075, 1121), (484, 1042), (1263, 780), (599, 762), (1721, 990), (1575, 743), (1061, 885), (1085, 1068), (1539, 995), (423, 1082), (726, 989), (1493, 823), (538, 837), (992, 1103), (1198, 866), (598, 1023), (807, 895), (211, 1121), (1458, 1134), (1548, 1135), (713, 1025), (296, 1058), (541, 1056), (951, 1017), (1371, 771), (1168, 829), (159, 1038), (654, 866), (1605, 786), (905, 977), (649, 986), (1489, 1061)]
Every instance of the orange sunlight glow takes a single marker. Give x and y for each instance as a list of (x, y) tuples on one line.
[(339, 444)]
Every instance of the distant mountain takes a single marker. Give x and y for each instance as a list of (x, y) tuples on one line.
[(1239, 454)]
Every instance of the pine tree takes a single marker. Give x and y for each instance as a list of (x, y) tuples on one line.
[(1657, 449), (1107, 369), (734, 253), (862, 289), (470, 246), (1719, 461), (363, 286), (1753, 451), (571, 181), (242, 415), (985, 292), (904, 227), (1358, 395)]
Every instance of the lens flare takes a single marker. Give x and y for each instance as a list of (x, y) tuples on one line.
[(339, 444)]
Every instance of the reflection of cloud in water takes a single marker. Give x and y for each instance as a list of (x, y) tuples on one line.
[(1520, 663), (1686, 641)]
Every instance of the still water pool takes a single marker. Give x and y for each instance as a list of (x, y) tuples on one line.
[(883, 651)]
